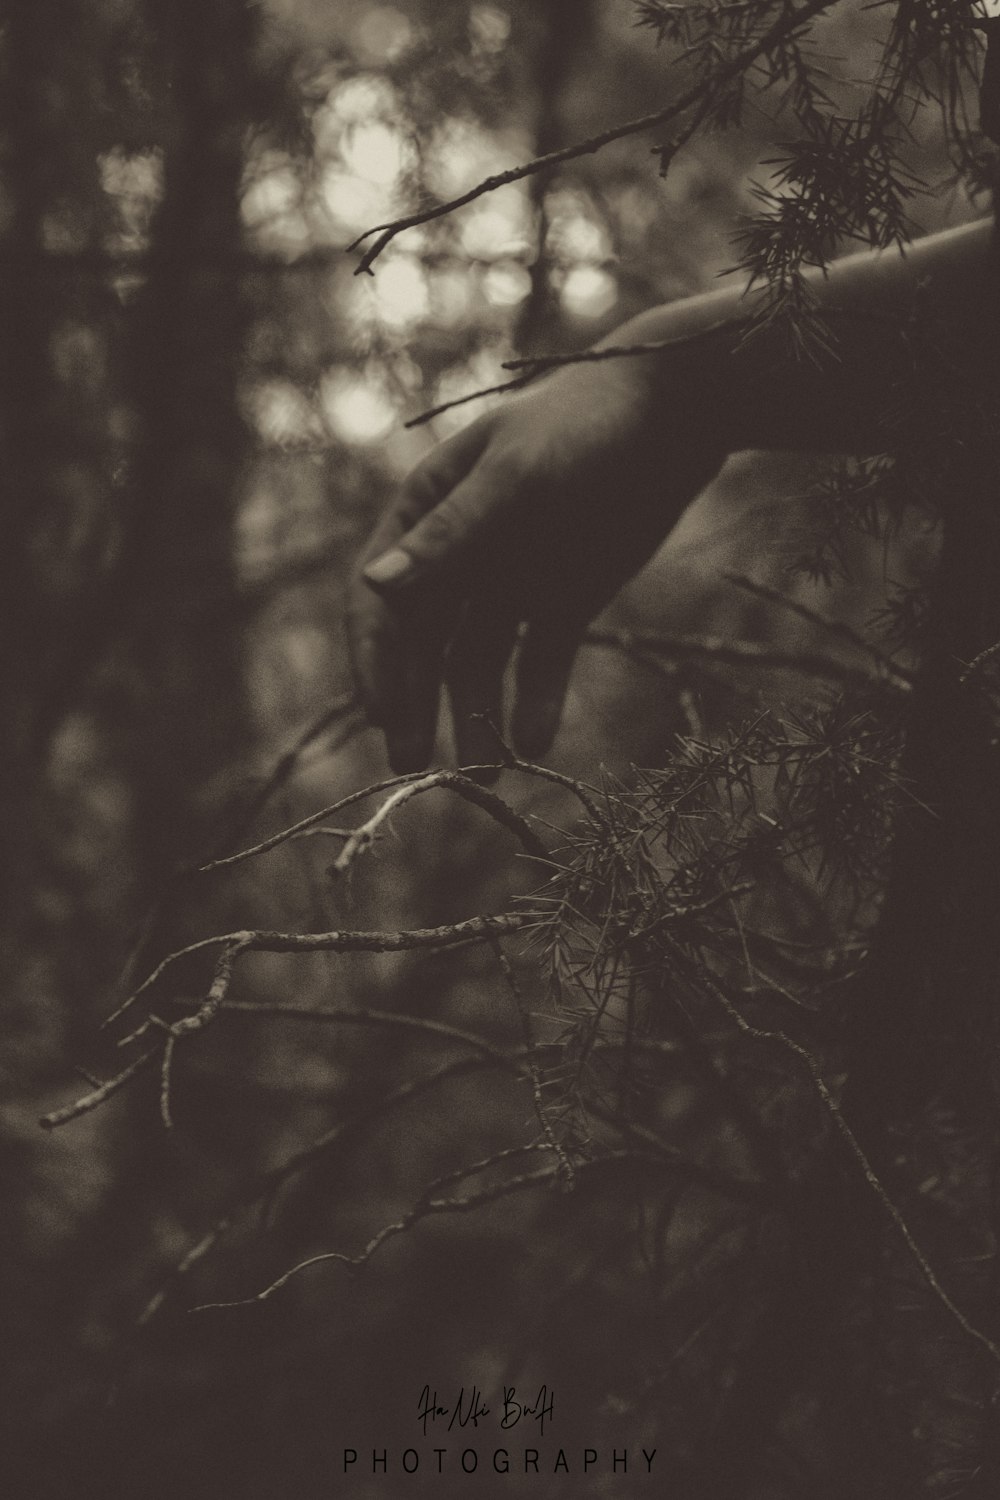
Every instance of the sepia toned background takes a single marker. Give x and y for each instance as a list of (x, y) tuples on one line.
[(203, 411)]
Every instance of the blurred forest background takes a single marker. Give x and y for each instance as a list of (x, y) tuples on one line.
[(202, 412)]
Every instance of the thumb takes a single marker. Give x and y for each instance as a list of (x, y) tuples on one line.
[(441, 538)]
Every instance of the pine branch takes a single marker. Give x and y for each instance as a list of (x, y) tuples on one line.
[(789, 22), (707, 983)]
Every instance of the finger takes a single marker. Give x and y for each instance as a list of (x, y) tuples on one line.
[(375, 646), (543, 669), (397, 653), (453, 528), (475, 673), (423, 488), (411, 711), (375, 639), (397, 648)]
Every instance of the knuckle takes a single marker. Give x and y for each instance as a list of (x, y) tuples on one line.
[(440, 530), (506, 463), (416, 497)]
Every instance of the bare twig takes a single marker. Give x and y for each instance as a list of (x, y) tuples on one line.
[(323, 832), (450, 935), (463, 786), (317, 817), (166, 1063), (267, 1185), (737, 653), (887, 670), (540, 364), (343, 1015), (345, 707), (427, 1207), (581, 789), (978, 662), (789, 21), (99, 1095), (459, 781), (344, 711), (704, 979), (488, 390), (458, 934), (743, 1189), (161, 968), (566, 1169), (535, 366)]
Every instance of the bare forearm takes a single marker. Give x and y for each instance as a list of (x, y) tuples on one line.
[(893, 316)]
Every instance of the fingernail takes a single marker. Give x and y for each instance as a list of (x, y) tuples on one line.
[(392, 567)]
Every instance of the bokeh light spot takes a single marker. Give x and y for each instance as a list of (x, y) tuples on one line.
[(363, 97), (588, 292), (450, 296), (498, 226), (400, 292), (375, 152), (353, 202), (283, 414), (383, 34), (506, 284), (357, 407), (489, 27), (272, 194)]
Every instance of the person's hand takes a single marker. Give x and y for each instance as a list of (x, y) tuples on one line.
[(535, 514)]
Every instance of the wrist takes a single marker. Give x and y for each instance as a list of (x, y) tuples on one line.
[(687, 369)]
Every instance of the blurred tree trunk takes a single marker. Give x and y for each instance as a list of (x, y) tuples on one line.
[(120, 665), (182, 629), (54, 374), (56, 499)]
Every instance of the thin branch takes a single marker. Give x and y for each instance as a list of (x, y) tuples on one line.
[(355, 1016), (99, 1095), (540, 364), (425, 1208), (737, 653), (458, 934), (269, 1183), (490, 390), (166, 1064), (566, 1168), (161, 968), (743, 1189), (458, 780), (343, 710), (450, 935), (787, 23), (537, 365), (887, 670), (702, 977), (318, 817), (323, 832), (580, 789), (422, 1210), (463, 786), (346, 706), (338, 940), (978, 662)]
